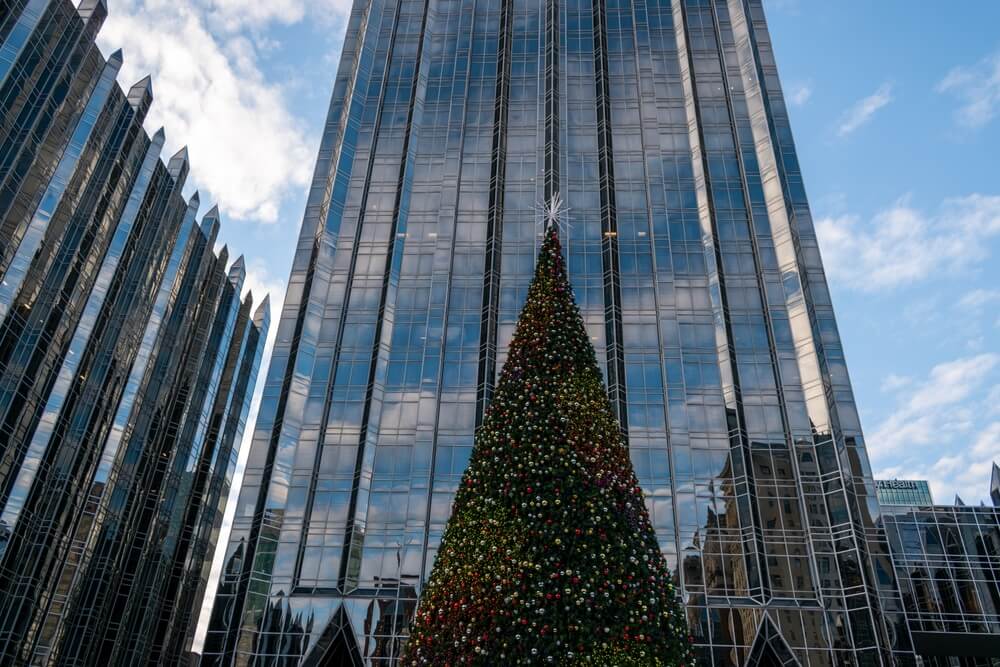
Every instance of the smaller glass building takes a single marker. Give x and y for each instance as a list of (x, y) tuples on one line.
[(947, 566), (903, 492), (127, 359)]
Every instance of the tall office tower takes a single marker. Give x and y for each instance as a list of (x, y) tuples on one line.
[(127, 359), (693, 256)]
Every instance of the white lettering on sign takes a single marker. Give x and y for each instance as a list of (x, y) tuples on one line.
[(896, 484)]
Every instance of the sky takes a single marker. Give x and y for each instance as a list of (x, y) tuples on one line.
[(895, 109)]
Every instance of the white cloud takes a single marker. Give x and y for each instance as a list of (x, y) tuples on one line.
[(952, 476), (864, 109), (952, 382), (903, 245), (248, 149), (799, 94), (235, 15), (893, 382), (987, 443), (937, 431), (978, 298), (978, 89)]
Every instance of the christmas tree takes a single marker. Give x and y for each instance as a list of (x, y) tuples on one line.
[(549, 556)]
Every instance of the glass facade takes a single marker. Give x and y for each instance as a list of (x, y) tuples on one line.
[(947, 563), (903, 492), (692, 252), (127, 359)]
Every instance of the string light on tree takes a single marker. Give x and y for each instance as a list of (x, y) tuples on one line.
[(549, 557)]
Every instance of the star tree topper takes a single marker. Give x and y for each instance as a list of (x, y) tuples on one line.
[(554, 212)]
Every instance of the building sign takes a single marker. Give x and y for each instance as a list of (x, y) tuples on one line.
[(897, 484)]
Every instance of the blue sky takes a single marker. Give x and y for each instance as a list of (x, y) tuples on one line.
[(894, 107)]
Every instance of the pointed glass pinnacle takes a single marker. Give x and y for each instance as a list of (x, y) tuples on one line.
[(238, 271), (262, 317)]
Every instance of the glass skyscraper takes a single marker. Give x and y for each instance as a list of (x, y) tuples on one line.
[(693, 256), (947, 564), (127, 359)]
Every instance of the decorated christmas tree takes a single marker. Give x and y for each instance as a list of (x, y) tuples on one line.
[(549, 556)]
